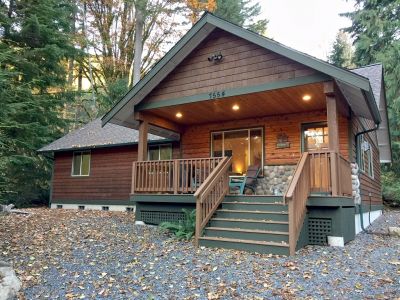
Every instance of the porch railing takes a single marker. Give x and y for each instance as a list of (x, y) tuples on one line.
[(330, 173), (171, 176), (316, 172), (296, 198), (210, 194)]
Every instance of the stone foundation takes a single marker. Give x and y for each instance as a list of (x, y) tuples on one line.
[(275, 180)]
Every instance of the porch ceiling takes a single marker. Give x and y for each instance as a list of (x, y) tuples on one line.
[(267, 103)]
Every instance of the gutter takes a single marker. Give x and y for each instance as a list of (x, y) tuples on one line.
[(358, 163)]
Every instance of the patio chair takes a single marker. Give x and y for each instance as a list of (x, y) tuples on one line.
[(248, 181)]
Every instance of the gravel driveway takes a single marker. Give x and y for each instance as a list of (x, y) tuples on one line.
[(61, 254)]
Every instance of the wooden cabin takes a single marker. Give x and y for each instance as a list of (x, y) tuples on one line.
[(92, 166), (232, 99)]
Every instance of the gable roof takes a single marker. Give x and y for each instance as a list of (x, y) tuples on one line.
[(93, 135), (375, 75), (198, 33)]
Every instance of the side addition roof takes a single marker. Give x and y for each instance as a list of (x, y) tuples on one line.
[(355, 86), (93, 135), (375, 75)]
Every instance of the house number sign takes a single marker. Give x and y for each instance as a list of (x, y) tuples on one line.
[(217, 94), (282, 141)]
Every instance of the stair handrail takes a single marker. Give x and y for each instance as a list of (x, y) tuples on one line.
[(216, 187), (296, 198)]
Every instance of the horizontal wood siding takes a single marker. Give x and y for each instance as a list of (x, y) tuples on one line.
[(368, 185), (196, 139), (243, 64), (110, 175)]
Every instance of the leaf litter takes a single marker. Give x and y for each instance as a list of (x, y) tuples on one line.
[(67, 254)]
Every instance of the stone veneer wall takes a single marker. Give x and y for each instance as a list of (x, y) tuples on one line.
[(275, 180)]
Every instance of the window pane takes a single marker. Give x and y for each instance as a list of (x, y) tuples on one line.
[(154, 152), (217, 144), (316, 138), (256, 147), (76, 164), (165, 152), (236, 144), (85, 163)]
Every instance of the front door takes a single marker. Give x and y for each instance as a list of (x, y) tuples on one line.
[(245, 146)]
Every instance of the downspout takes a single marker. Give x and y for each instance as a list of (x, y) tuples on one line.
[(358, 163)]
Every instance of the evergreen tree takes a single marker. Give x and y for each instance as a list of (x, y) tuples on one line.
[(376, 32), (242, 13), (34, 47), (342, 51)]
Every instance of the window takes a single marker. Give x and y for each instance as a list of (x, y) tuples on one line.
[(366, 157), (81, 207), (315, 137), (129, 209), (245, 146), (105, 208), (160, 152), (81, 163), (59, 206)]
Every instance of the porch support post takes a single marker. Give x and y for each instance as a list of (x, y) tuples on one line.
[(333, 132), (142, 146)]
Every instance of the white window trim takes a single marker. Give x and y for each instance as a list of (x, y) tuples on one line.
[(80, 171), (371, 160), (159, 152), (222, 132)]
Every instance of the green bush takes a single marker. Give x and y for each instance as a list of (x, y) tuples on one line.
[(391, 188), (183, 229)]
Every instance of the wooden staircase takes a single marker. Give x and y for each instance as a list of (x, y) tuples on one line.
[(251, 223)]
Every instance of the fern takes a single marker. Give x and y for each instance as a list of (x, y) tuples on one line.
[(183, 229)]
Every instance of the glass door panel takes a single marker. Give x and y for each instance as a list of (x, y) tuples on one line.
[(256, 147), (236, 145)]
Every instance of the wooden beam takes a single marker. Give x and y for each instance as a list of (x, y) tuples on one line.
[(142, 146), (333, 133), (157, 121)]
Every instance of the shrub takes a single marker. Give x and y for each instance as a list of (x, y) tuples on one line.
[(183, 229), (391, 188)]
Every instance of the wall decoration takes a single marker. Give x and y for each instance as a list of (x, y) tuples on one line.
[(282, 141)]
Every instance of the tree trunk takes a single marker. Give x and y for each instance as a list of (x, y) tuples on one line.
[(138, 48)]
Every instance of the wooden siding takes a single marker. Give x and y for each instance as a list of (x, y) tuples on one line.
[(368, 185), (110, 175), (196, 140), (243, 64)]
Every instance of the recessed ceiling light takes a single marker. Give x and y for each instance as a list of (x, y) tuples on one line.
[(307, 97), (179, 115), (235, 107)]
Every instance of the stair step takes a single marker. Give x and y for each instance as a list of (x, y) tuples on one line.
[(247, 234), (252, 214), (254, 198), (260, 206), (249, 224), (245, 245)]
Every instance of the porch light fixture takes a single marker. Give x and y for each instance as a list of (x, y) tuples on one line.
[(306, 97), (179, 115), (235, 107)]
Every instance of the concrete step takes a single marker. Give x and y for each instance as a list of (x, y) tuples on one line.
[(247, 234), (245, 245), (249, 224), (252, 214), (254, 206), (254, 198)]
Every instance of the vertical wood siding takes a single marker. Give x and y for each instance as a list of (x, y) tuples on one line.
[(368, 185), (110, 175), (243, 64)]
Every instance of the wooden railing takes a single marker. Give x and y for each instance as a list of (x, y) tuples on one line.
[(296, 198), (345, 186), (210, 194), (330, 173), (171, 176)]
